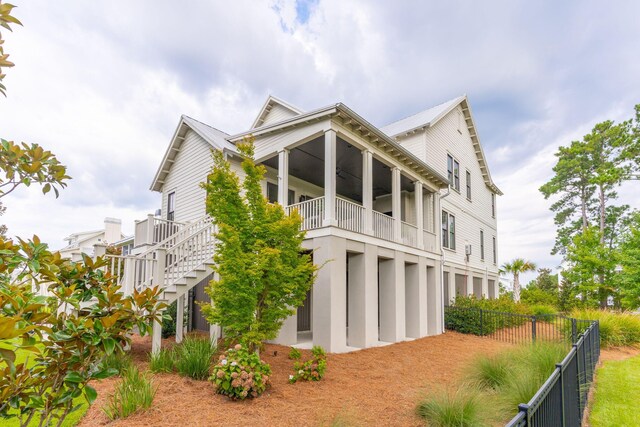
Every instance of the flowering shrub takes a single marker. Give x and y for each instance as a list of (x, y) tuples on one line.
[(311, 370), (240, 374)]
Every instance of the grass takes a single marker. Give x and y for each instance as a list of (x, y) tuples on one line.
[(118, 361), (615, 400), (163, 361), (193, 357), (463, 407), (616, 329), (133, 393)]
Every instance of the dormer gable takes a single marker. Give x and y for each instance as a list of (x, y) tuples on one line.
[(275, 110)]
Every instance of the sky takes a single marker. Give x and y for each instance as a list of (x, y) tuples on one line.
[(103, 84)]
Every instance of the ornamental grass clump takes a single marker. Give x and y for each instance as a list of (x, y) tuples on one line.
[(163, 361), (311, 370), (133, 393), (193, 357), (462, 407), (240, 374)]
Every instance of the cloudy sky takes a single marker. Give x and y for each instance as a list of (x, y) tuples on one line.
[(102, 84)]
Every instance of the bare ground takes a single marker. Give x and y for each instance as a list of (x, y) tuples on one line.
[(377, 386)]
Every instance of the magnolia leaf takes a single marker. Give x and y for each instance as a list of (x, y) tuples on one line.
[(90, 393)]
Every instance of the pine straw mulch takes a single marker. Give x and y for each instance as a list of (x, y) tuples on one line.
[(376, 386)]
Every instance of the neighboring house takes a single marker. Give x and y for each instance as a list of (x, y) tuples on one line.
[(372, 201), (125, 244), (83, 242)]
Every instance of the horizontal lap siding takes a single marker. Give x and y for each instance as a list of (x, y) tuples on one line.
[(471, 216), (276, 114), (191, 167)]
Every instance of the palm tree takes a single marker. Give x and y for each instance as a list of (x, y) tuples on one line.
[(515, 267)]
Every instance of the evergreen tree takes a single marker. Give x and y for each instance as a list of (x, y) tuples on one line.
[(264, 273)]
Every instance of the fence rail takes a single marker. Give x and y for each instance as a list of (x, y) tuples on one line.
[(563, 397)]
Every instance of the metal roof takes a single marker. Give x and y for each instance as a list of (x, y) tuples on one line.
[(422, 119)]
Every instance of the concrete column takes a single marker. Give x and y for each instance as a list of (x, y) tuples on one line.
[(283, 177), (288, 334), (367, 190), (329, 294), (419, 206), (396, 207), (392, 299), (452, 285), (330, 178), (363, 298), (485, 286), (180, 319), (434, 298), (416, 299)]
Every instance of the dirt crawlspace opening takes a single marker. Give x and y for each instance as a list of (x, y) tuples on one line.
[(377, 386)]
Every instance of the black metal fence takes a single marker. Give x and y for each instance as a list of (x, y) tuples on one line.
[(563, 397)]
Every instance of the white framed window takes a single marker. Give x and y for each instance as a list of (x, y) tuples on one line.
[(495, 253), (482, 245), (448, 230), (272, 194), (453, 172), (171, 206), (493, 205), (468, 185)]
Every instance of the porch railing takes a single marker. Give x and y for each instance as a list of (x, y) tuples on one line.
[(154, 230), (382, 226), (409, 233), (349, 215), (311, 211)]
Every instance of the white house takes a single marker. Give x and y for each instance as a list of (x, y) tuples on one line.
[(84, 241), (391, 213)]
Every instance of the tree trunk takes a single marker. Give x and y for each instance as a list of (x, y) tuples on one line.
[(516, 287), (585, 222)]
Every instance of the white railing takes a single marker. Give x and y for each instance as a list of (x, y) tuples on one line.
[(382, 226), (153, 230), (188, 254), (349, 215), (409, 233), (311, 211)]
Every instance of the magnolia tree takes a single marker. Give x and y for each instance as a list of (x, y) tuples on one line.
[(263, 273)]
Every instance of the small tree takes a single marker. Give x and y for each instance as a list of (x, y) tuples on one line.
[(516, 267), (264, 273)]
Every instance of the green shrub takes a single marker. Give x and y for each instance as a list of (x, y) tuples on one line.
[(543, 310), (616, 329), (295, 354), (134, 392), (163, 361), (193, 357), (311, 370), (464, 315), (536, 296), (240, 374), (461, 408), (118, 360)]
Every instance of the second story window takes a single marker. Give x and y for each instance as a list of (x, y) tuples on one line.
[(448, 230), (468, 185), (453, 172), (482, 245), (495, 254), (171, 206)]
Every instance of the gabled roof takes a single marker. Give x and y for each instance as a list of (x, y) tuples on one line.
[(216, 138), (268, 106), (368, 131), (428, 118), (421, 119)]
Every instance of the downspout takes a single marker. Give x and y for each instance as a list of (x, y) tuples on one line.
[(442, 257)]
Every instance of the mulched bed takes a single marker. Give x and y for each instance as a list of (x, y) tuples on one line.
[(377, 386)]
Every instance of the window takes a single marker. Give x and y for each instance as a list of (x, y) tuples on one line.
[(482, 245), (495, 256), (493, 205), (448, 231), (291, 199), (171, 206), (272, 192), (468, 185), (453, 172)]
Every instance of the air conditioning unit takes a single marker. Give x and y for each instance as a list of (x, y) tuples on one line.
[(467, 250)]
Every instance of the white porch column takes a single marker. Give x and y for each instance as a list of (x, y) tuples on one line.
[(330, 178), (150, 228), (158, 278), (416, 299), (419, 205), (283, 177), (363, 298), (396, 204), (434, 300), (469, 279), (451, 284), (288, 334), (485, 285), (180, 319), (329, 299), (392, 299), (367, 190)]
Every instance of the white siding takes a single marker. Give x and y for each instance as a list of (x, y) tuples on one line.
[(447, 136), (276, 114)]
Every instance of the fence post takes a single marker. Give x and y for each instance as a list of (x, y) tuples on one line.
[(481, 325), (562, 398), (523, 407), (574, 331), (533, 328)]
